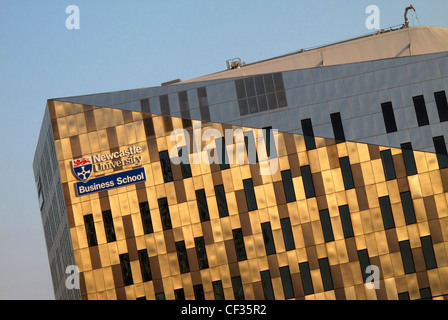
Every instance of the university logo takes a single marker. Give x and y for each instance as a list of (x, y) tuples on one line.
[(82, 168)]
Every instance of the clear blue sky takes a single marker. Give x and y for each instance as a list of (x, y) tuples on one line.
[(132, 44)]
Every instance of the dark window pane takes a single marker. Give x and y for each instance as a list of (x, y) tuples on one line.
[(244, 108), (442, 155), (218, 290), (202, 97), (406, 256), (403, 296), (179, 294), (272, 101), (165, 213), (222, 154), (164, 105), (388, 164), (126, 269), (250, 194), (144, 265), (308, 133), (251, 149), (253, 104), (160, 296), (386, 213), (278, 81), (182, 257), (338, 129), (269, 82), (146, 218), (287, 234), (307, 181), (288, 186), (184, 162), (271, 149), (268, 238), (389, 117), (281, 98), (240, 89), (428, 252), (149, 127), (90, 230), (266, 283), (286, 282), (325, 272), (240, 249), (408, 207), (262, 102), (221, 200), (364, 262), (201, 200), (305, 274), (408, 157), (183, 101), (109, 226), (442, 105), (144, 104), (166, 166), (326, 225), (420, 110), (347, 173), (425, 294), (201, 252), (237, 288), (346, 221), (250, 86), (198, 292), (259, 85)]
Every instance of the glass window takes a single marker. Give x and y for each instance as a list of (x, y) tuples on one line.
[(389, 117), (267, 285), (250, 194), (305, 274), (201, 252), (428, 252), (271, 150), (198, 292), (166, 166), (250, 86), (218, 290), (145, 267), (222, 153), (109, 226), (278, 81), (243, 107), (326, 225), (281, 98), (160, 296), (240, 89), (144, 104), (386, 212), (403, 296), (347, 175), (425, 293), (307, 181), (201, 200), (237, 288), (184, 165), (364, 262), (146, 217), (221, 201), (126, 269), (259, 85), (183, 101), (338, 129), (408, 207), (406, 256), (326, 274), (90, 230), (287, 234), (164, 105), (179, 294), (442, 155), (268, 238), (388, 164), (420, 110), (286, 282), (346, 221), (238, 240), (182, 256), (288, 186), (251, 150), (442, 105), (272, 101), (269, 82), (165, 213), (308, 134), (408, 157)]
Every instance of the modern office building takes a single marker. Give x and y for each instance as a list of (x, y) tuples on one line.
[(304, 176)]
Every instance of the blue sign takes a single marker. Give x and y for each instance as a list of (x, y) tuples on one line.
[(111, 181)]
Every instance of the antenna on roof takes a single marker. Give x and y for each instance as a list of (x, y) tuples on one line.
[(406, 21)]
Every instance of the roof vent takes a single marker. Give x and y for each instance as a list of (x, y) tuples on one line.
[(234, 63)]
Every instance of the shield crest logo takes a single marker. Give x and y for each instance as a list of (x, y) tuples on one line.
[(82, 168)]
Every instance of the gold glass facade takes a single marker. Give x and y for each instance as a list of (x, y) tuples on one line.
[(325, 259)]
